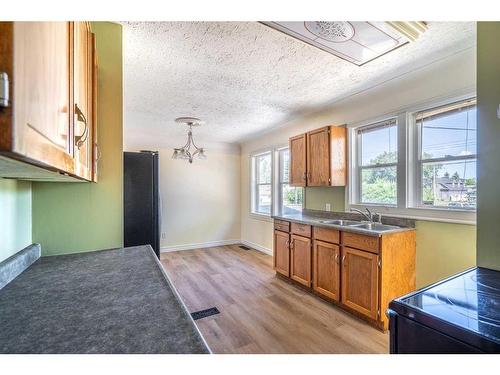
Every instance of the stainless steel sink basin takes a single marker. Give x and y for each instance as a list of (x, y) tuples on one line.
[(375, 226), (340, 222)]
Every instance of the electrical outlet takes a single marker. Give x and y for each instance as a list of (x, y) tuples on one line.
[(163, 235), (328, 207)]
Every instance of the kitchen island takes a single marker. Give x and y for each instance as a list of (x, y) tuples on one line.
[(109, 301)]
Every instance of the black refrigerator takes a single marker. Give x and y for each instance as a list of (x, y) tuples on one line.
[(141, 199)]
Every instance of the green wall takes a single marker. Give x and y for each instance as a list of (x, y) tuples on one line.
[(15, 216), (317, 197), (442, 248), (488, 99), (76, 217)]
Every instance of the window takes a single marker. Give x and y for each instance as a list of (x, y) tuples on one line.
[(262, 183), (419, 163), (290, 198), (377, 163), (447, 156)]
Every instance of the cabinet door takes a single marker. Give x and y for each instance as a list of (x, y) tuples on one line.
[(82, 94), (318, 157), (326, 269), (281, 254), (297, 149), (360, 281), (41, 98), (300, 269), (95, 147)]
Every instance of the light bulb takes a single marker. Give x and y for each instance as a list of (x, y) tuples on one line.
[(202, 155)]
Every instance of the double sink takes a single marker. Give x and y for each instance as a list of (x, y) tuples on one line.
[(361, 224)]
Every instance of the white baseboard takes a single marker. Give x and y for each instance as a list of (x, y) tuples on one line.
[(192, 246), (166, 249), (255, 246)]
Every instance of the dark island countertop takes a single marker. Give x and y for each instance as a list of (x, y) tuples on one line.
[(109, 301)]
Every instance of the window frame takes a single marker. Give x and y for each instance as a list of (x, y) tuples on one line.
[(276, 183), (407, 171), (254, 185), (279, 183), (359, 159), (417, 201)]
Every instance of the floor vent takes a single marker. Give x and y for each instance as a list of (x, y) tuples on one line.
[(244, 247), (204, 313)]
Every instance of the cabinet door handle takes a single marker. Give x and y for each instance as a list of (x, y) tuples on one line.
[(287, 243), (343, 260), (304, 177), (292, 244), (337, 258), (80, 139)]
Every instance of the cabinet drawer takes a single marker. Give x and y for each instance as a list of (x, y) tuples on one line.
[(360, 241), (301, 229), (282, 225), (326, 234)]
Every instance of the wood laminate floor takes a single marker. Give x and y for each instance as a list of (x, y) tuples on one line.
[(260, 313)]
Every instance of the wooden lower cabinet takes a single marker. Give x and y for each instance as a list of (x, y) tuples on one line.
[(300, 262), (281, 256), (360, 273), (360, 281), (326, 269)]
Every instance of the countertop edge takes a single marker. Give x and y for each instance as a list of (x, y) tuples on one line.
[(344, 228), (177, 295)]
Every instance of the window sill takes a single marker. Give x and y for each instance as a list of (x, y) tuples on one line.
[(424, 214), (262, 217)]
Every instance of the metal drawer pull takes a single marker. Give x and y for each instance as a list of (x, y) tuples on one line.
[(343, 260), (4, 89), (337, 258), (80, 139)]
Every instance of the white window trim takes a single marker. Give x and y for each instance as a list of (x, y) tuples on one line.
[(275, 182), (407, 193), (253, 185)]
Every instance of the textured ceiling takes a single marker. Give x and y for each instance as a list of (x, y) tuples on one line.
[(243, 78)]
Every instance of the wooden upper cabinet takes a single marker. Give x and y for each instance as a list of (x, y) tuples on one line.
[(360, 281), (50, 118), (338, 156), (298, 160), (281, 256), (319, 157), (326, 269), (40, 125), (300, 262)]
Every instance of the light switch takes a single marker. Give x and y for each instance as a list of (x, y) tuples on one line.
[(498, 111), (328, 207)]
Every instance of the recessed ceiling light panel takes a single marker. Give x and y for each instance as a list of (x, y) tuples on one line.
[(357, 42)]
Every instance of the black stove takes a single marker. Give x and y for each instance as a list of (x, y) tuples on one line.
[(458, 315)]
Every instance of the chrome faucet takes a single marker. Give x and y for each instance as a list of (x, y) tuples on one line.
[(368, 215)]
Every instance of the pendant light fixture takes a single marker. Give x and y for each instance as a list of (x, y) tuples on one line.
[(189, 151)]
